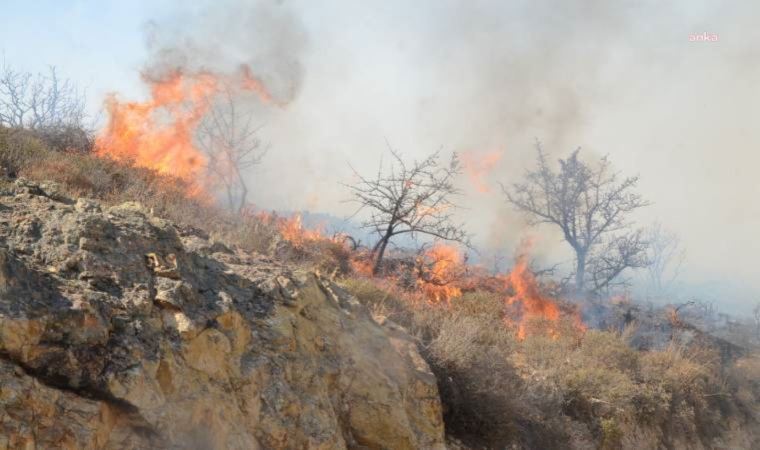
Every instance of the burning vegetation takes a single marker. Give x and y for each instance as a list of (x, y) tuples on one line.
[(514, 362), (164, 133), (511, 350)]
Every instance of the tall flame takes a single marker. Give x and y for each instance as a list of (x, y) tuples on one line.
[(531, 302), (160, 133)]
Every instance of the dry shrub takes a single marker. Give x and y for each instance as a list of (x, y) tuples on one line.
[(744, 376), (684, 392), (322, 254), (461, 340), (608, 349), (81, 174), (478, 384), (19, 149), (67, 138), (479, 303), (384, 305), (557, 384)]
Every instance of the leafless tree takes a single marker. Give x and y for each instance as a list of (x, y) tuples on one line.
[(229, 137), (41, 102), (665, 257), (591, 204), (413, 199)]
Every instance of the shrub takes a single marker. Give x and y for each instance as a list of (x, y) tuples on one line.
[(18, 150)]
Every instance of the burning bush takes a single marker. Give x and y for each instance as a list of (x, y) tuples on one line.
[(163, 133)]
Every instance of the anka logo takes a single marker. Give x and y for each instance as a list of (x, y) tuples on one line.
[(703, 37)]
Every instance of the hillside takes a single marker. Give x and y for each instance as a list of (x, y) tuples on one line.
[(135, 316), (122, 330)]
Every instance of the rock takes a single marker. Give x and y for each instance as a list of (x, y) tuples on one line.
[(149, 336)]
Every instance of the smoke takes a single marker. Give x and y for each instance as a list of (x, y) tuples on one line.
[(265, 38), (614, 77)]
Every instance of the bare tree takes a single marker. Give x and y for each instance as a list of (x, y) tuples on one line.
[(229, 137), (591, 205), (665, 257), (413, 199), (39, 101)]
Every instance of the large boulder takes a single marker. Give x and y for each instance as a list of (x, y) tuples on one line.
[(121, 330)]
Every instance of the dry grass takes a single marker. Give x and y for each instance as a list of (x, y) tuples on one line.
[(555, 388), (566, 388), (81, 174)]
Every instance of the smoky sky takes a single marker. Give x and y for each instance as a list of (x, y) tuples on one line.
[(222, 37), (617, 78)]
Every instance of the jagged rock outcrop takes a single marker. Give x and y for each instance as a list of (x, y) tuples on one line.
[(121, 330)]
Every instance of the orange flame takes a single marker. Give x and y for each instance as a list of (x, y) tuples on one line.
[(291, 228), (159, 133), (533, 304), (440, 273), (293, 231), (478, 167)]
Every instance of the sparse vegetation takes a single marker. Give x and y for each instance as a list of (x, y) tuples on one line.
[(50, 107), (558, 387), (544, 391), (560, 390)]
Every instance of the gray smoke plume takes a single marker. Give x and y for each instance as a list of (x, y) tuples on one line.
[(226, 36), (614, 77)]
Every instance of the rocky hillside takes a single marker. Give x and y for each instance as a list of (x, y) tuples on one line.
[(122, 330)]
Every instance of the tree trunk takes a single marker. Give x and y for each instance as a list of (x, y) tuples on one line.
[(580, 273), (381, 250), (243, 196), (380, 253), (243, 188)]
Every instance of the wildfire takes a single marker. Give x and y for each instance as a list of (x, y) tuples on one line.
[(160, 133), (532, 304), (291, 228), (439, 273), (293, 231), (478, 167), (533, 307)]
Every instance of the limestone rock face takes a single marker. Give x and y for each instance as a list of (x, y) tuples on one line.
[(122, 330)]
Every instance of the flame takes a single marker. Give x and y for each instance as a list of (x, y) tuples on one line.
[(159, 133), (136, 133), (478, 167), (441, 275), (291, 228), (293, 231), (532, 303), (528, 308), (440, 271)]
